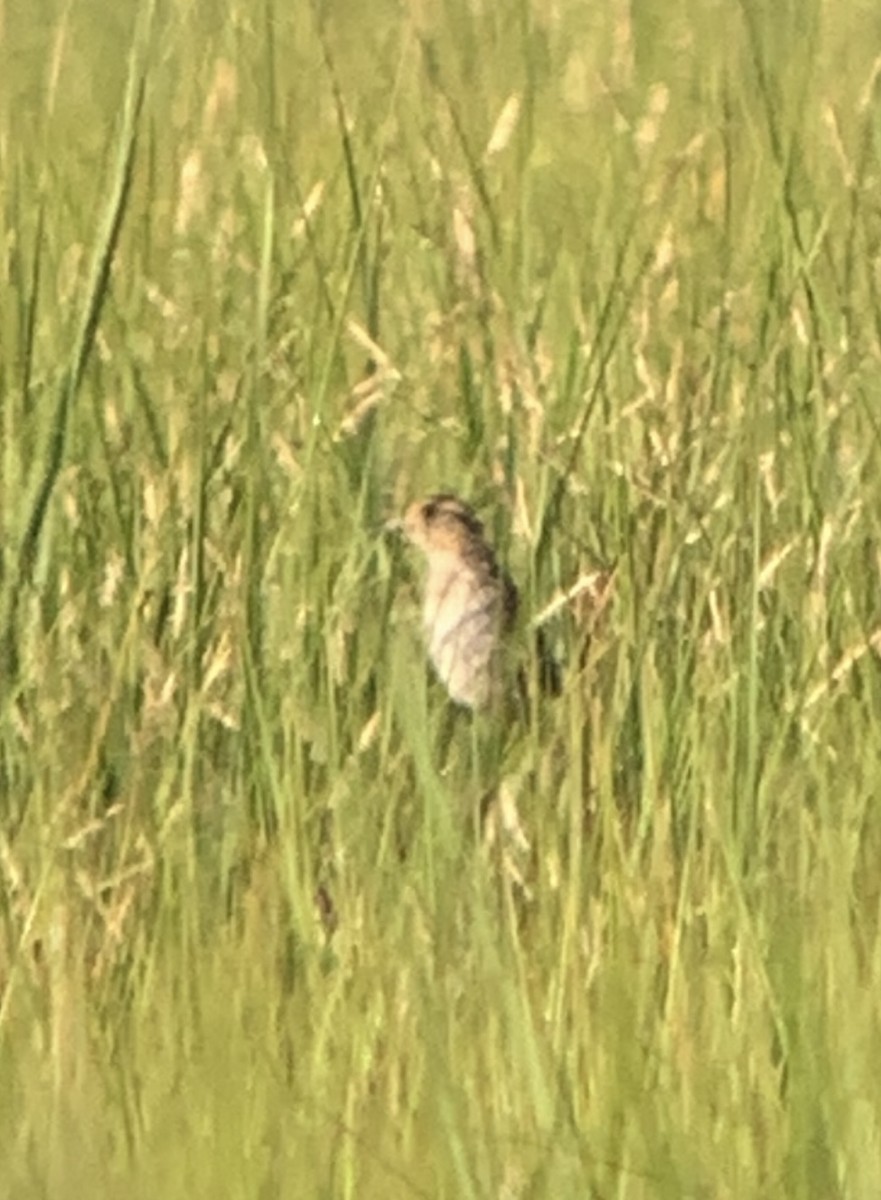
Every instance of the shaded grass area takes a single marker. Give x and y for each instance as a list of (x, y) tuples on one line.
[(266, 276)]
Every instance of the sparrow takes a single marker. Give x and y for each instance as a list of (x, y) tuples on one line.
[(470, 606)]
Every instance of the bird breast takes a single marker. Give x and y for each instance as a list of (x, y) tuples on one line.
[(463, 617)]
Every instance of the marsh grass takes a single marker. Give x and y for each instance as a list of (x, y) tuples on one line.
[(610, 271)]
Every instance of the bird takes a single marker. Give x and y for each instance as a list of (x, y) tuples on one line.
[(470, 607)]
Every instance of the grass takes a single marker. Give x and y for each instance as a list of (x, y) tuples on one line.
[(610, 273)]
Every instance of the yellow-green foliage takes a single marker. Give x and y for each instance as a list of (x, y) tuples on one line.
[(271, 270)]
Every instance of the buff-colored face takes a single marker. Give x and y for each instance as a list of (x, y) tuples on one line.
[(442, 522)]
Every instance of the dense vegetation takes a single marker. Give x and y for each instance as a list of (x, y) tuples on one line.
[(268, 272)]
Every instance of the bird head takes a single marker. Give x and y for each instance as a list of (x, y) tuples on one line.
[(442, 522)]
